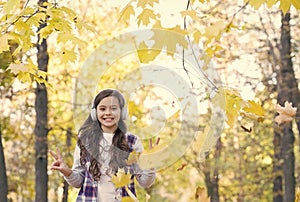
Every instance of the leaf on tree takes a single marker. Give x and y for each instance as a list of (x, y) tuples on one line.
[(145, 16), (10, 6), (285, 5), (146, 54), (127, 12), (296, 4), (286, 113)]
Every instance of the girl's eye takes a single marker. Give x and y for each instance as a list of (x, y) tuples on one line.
[(101, 109)]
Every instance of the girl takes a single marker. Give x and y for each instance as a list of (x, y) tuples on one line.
[(103, 146)]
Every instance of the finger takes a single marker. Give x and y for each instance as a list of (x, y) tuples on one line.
[(53, 154), (157, 141), (58, 153)]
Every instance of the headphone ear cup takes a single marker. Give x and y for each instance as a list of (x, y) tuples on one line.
[(124, 113), (94, 114)]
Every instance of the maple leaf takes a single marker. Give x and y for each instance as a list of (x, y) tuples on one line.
[(121, 179), (127, 12), (286, 113), (254, 110), (145, 16)]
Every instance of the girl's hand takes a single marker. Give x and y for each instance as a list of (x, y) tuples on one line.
[(59, 163)]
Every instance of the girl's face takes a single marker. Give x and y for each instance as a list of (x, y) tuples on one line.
[(108, 113)]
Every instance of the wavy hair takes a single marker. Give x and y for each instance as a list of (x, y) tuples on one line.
[(90, 134)]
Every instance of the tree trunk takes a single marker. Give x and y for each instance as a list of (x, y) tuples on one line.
[(277, 168), (3, 176), (66, 185), (41, 127), (286, 84), (211, 173)]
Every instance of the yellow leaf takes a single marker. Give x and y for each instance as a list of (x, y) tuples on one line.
[(146, 54), (285, 5), (190, 13), (10, 6), (68, 56), (170, 38), (127, 12), (144, 3), (121, 179), (256, 3), (145, 17), (254, 108), (296, 4), (286, 113), (271, 3), (214, 31), (4, 46), (127, 199)]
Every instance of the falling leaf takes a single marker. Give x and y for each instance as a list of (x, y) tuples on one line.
[(254, 110), (121, 179), (286, 113)]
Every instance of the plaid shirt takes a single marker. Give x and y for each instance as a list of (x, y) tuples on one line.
[(89, 189)]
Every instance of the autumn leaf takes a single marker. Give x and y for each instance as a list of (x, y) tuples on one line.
[(285, 5), (286, 113), (127, 199), (296, 4), (121, 179), (145, 17), (127, 12), (254, 110), (146, 54)]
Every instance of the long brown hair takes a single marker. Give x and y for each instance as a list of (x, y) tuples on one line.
[(90, 135)]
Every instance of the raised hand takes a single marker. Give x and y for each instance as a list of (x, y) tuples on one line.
[(59, 163)]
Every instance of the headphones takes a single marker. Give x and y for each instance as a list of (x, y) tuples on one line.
[(115, 93)]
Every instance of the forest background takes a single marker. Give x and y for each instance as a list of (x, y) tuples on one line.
[(239, 59)]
